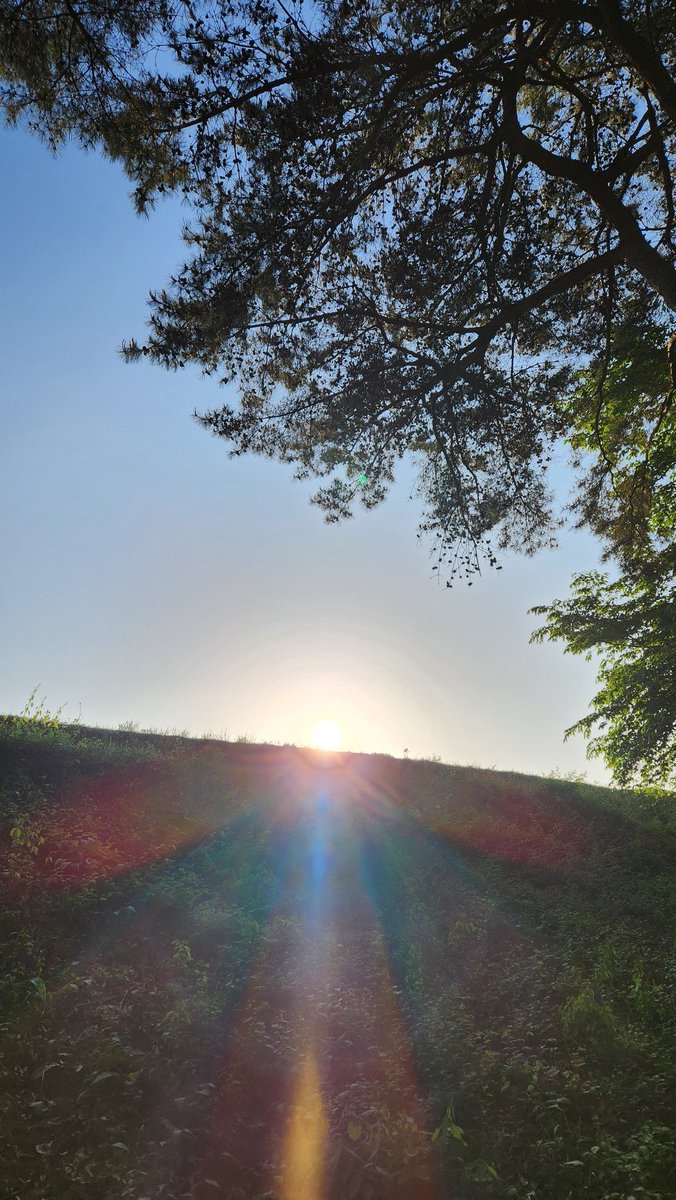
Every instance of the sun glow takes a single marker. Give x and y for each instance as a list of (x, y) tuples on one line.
[(327, 735)]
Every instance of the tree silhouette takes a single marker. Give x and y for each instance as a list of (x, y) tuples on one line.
[(413, 222)]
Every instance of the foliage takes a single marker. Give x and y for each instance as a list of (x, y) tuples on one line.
[(631, 626), (35, 717), (620, 407), (413, 224), (627, 494), (491, 1003)]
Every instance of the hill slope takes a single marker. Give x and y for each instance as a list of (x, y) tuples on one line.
[(237, 970)]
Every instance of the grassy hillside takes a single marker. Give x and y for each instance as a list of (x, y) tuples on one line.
[(240, 971)]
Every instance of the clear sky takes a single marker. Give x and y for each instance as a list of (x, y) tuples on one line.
[(148, 577)]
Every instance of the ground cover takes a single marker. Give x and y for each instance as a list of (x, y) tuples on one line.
[(240, 971)]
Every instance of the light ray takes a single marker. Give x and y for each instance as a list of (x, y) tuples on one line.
[(304, 1154), (319, 1047)]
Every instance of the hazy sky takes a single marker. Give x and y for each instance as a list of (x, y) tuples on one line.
[(148, 577)]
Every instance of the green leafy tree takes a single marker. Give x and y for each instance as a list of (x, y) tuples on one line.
[(628, 496), (631, 626), (623, 433)]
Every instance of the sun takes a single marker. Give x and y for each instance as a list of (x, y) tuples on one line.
[(327, 735)]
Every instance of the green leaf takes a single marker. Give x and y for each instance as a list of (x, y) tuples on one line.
[(40, 987)]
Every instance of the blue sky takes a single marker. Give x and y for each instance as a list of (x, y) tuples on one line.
[(148, 577)]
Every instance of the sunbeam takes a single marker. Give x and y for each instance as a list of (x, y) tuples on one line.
[(304, 1153)]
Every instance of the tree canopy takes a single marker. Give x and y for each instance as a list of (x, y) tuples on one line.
[(413, 221), (438, 231)]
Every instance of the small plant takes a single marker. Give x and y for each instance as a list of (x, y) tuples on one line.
[(36, 715), (567, 776), (26, 834), (36, 721), (181, 952), (587, 1020)]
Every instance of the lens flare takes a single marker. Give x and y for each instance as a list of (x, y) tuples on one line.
[(304, 1152), (327, 735)]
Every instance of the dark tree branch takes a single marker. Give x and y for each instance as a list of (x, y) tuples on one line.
[(638, 252)]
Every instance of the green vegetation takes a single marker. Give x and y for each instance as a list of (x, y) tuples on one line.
[(631, 625), (477, 967), (628, 497)]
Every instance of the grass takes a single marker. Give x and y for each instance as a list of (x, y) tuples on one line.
[(233, 970)]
